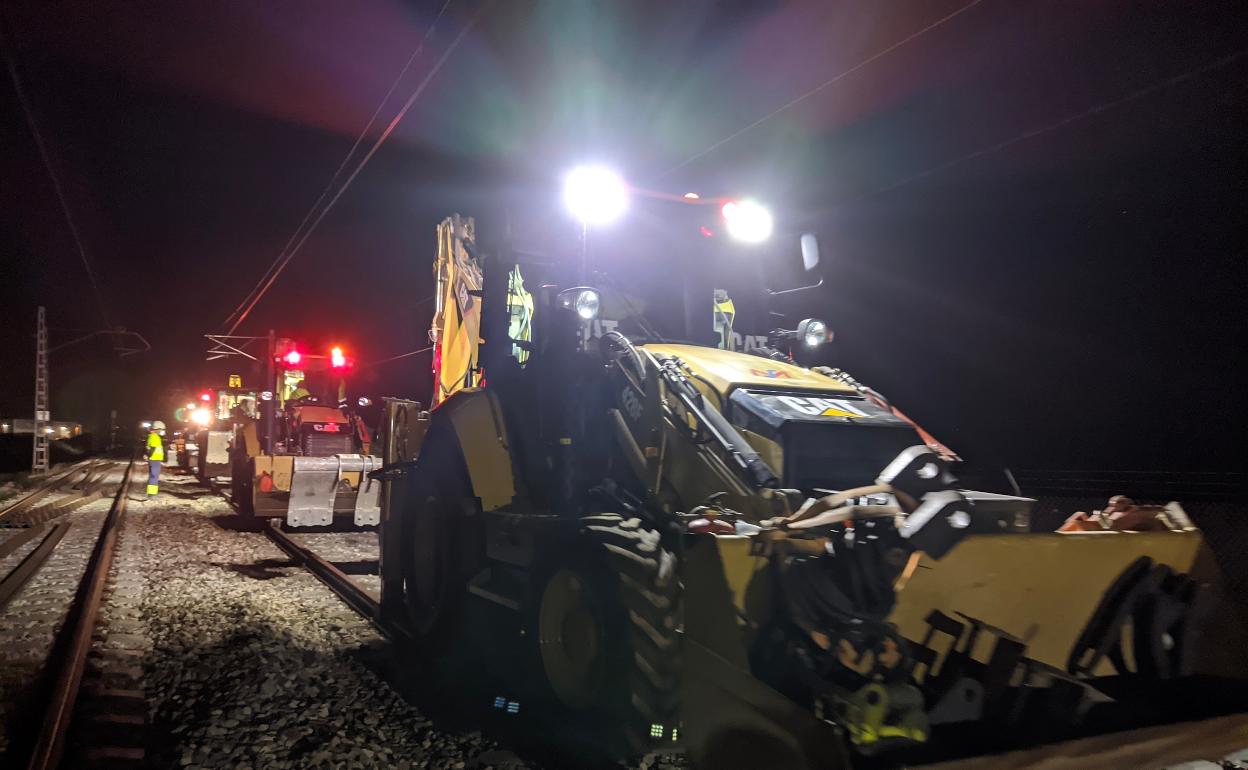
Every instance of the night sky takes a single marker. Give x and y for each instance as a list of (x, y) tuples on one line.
[(1032, 215)]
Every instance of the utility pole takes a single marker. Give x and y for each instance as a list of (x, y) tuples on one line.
[(39, 464)]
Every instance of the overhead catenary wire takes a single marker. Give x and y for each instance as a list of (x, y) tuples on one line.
[(825, 84), (416, 52), (420, 88), (1092, 111), (10, 60), (408, 354)]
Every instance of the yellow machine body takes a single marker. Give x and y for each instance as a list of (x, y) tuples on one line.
[(1038, 589), (727, 370)]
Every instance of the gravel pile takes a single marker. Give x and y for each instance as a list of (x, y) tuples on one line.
[(255, 664)]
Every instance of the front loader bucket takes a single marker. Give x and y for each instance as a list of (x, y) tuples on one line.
[(316, 488), (313, 491), (1043, 589)]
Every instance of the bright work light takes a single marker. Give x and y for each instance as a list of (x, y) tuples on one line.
[(595, 195), (747, 221)]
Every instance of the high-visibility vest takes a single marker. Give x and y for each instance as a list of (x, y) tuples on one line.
[(156, 447)]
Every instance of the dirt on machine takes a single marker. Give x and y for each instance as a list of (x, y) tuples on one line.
[(685, 534), (312, 468)]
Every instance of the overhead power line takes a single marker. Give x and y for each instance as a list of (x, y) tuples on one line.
[(416, 52), (420, 89), (825, 84), (408, 354), (56, 182), (1092, 111)]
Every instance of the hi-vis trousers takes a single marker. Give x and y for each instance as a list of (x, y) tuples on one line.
[(153, 477)]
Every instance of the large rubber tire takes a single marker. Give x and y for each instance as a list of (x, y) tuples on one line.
[(439, 540), (633, 590)]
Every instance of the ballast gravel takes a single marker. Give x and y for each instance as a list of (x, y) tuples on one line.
[(31, 620), (255, 664)]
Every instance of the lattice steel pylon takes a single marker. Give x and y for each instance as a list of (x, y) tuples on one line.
[(39, 464)]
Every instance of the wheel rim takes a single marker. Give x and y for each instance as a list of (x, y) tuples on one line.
[(570, 638)]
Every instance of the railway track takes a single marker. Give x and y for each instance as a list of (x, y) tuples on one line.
[(45, 711), (334, 578), (351, 592), (14, 513)]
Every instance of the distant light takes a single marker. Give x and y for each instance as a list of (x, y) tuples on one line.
[(656, 731), (336, 358), (201, 417), (706, 232), (595, 195), (692, 196), (190, 406), (206, 396), (747, 221), (266, 395), (146, 424)]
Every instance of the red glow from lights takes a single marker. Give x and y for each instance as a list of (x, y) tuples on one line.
[(205, 396), (706, 232), (293, 357), (336, 358)]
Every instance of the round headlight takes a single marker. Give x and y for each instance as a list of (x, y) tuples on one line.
[(586, 304), (813, 332)]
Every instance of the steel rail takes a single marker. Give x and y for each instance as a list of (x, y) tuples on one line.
[(48, 486), (333, 578), (337, 581), (76, 635), (20, 575)]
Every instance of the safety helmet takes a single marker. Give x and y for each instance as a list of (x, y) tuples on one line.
[(158, 425)]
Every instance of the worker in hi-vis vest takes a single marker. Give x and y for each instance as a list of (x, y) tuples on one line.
[(155, 455)]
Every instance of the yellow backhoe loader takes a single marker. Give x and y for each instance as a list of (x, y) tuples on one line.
[(764, 564)]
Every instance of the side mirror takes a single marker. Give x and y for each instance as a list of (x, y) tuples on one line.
[(810, 260), (810, 251)]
